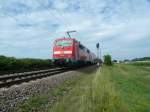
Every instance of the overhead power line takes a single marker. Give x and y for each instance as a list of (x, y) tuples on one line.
[(59, 18)]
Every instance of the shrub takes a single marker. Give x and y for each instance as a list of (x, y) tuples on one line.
[(107, 60), (11, 64)]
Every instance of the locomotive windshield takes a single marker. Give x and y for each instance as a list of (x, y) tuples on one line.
[(64, 43)]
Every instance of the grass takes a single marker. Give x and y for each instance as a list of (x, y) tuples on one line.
[(35, 103), (119, 88), (40, 102), (133, 83), (141, 63), (94, 93)]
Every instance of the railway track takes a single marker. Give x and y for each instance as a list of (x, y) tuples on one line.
[(18, 78)]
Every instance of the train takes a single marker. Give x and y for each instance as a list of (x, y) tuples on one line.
[(69, 51)]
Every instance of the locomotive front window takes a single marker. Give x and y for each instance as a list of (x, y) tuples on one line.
[(64, 43)]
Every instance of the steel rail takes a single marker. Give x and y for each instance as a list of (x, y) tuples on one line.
[(9, 80), (20, 75)]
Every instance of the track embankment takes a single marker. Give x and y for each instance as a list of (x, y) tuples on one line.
[(12, 96), (8, 80)]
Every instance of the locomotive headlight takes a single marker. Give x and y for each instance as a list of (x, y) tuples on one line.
[(62, 52), (56, 52), (67, 52)]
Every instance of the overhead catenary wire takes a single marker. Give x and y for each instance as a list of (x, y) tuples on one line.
[(54, 13), (59, 19)]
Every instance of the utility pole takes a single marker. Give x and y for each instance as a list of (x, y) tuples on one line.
[(97, 46), (100, 50)]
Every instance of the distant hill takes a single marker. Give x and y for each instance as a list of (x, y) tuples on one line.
[(142, 59)]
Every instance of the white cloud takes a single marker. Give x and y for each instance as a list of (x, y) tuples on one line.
[(118, 24)]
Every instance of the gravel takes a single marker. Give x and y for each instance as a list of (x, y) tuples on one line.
[(10, 97)]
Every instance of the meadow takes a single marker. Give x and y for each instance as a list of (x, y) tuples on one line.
[(141, 63), (120, 88)]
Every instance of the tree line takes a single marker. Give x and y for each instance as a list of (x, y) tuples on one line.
[(142, 59)]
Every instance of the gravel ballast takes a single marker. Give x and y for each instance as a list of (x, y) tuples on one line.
[(10, 97)]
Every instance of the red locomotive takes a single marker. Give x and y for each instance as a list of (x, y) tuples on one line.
[(69, 51)]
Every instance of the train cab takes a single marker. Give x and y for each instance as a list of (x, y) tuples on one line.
[(64, 50)]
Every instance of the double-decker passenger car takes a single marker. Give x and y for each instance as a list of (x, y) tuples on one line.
[(69, 51)]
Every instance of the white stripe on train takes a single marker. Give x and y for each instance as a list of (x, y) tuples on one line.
[(62, 52)]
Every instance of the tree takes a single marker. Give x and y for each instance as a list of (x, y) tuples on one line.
[(115, 61), (107, 60)]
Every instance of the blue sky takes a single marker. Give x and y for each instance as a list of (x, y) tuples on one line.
[(29, 27)]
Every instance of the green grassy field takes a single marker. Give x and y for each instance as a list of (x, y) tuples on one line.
[(94, 93), (133, 84), (141, 63), (120, 88)]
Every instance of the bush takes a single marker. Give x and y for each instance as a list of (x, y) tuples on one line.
[(107, 60), (11, 64)]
